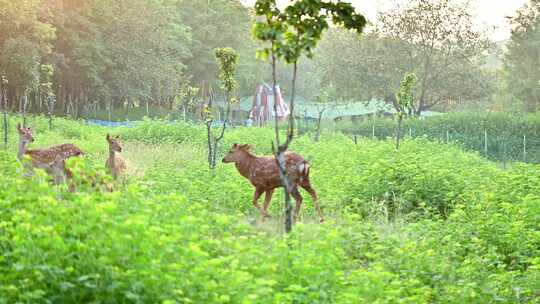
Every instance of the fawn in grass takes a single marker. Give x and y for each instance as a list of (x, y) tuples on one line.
[(52, 159), (263, 174), (115, 163)]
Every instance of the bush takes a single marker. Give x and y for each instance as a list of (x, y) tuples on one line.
[(177, 235)]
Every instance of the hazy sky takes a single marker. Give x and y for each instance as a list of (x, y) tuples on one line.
[(490, 13)]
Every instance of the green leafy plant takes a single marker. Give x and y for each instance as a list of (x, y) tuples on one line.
[(404, 103)]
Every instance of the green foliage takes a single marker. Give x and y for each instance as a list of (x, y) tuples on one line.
[(522, 77), (448, 62), (227, 62), (298, 29), (505, 132), (404, 96), (174, 234), (20, 60), (216, 24), (118, 53)]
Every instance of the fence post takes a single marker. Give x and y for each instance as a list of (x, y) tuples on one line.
[(485, 142), (410, 133), (447, 137), (524, 148), (373, 131), (504, 155)]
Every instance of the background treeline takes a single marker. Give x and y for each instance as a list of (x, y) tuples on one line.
[(84, 56), (115, 53)]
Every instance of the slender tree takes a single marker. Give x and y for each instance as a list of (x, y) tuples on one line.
[(227, 62), (404, 103), (3, 100), (324, 101), (291, 33)]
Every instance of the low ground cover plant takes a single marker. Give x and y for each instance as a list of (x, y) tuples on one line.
[(430, 223)]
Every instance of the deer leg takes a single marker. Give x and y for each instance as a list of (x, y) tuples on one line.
[(256, 196), (307, 186), (298, 198), (267, 200)]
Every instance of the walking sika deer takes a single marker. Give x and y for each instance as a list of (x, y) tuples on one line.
[(45, 158), (115, 162), (263, 174)]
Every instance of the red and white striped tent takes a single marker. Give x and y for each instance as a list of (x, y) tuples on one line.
[(263, 105)]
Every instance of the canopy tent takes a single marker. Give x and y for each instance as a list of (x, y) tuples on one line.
[(262, 108)]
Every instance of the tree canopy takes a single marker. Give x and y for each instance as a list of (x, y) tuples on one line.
[(522, 61)]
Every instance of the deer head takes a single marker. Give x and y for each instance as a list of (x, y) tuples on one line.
[(25, 134), (114, 143), (237, 153)]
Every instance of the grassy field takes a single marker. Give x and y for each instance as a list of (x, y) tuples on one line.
[(428, 224)]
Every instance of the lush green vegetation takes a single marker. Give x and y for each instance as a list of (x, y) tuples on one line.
[(429, 223), (425, 223), (507, 134)]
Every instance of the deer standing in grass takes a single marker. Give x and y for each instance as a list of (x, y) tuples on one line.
[(263, 174), (52, 160), (115, 162)]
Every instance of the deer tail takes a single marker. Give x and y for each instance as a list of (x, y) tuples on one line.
[(303, 169)]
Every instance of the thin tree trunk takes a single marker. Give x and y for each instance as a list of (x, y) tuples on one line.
[(24, 102), (3, 95), (50, 108), (223, 128), (398, 130), (209, 121), (281, 149), (209, 136), (319, 121)]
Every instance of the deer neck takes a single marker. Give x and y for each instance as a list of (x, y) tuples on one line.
[(22, 149), (245, 165), (112, 154)]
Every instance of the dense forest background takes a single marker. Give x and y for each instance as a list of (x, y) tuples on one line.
[(72, 56)]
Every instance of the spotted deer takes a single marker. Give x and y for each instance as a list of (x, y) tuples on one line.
[(59, 171), (51, 159), (263, 174), (115, 163)]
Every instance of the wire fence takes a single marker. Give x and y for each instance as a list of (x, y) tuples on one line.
[(499, 144)]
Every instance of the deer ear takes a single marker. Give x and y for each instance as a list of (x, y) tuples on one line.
[(235, 145), (108, 136), (19, 126), (117, 137)]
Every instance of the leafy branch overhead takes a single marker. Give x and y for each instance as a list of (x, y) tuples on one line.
[(297, 29)]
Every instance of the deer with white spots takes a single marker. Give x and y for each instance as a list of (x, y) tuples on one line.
[(52, 159), (263, 174)]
